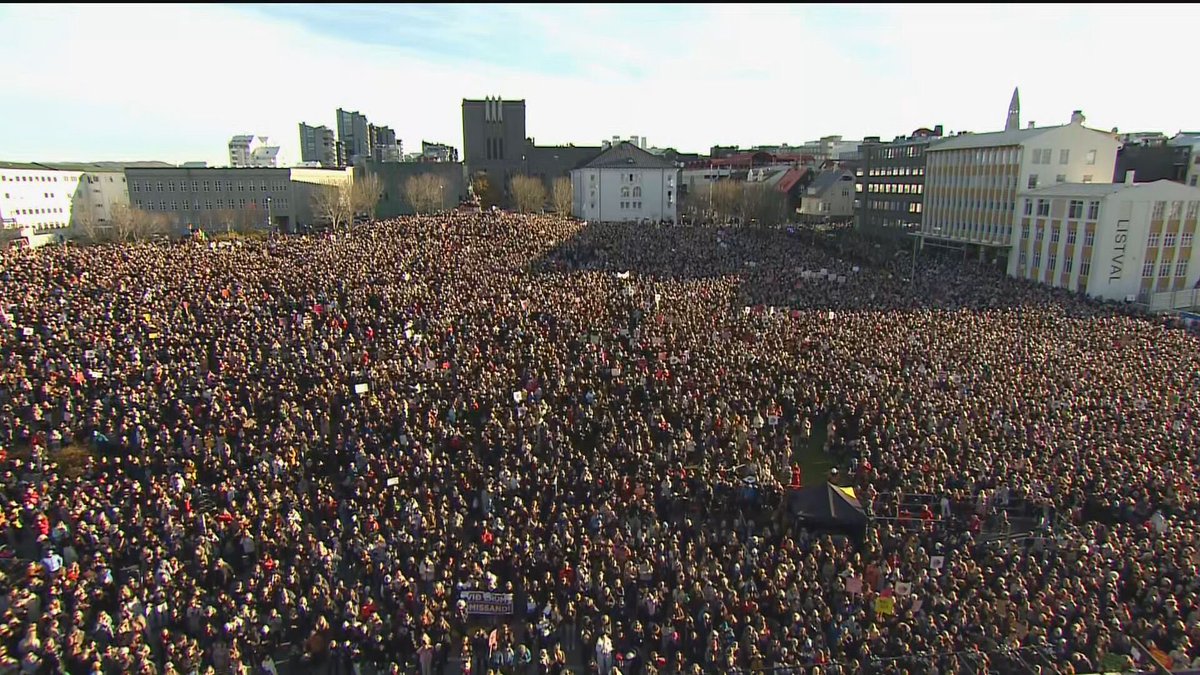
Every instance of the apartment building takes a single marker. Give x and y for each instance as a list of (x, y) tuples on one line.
[(890, 186), (318, 145), (972, 180), (1118, 241)]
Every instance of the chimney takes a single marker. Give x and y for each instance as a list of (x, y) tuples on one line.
[(1077, 117), (1129, 176), (937, 131), (1031, 124)]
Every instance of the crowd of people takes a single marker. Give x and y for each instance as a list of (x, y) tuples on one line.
[(300, 453)]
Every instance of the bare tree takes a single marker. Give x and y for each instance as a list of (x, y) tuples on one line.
[(247, 220), (425, 193), (124, 219), (486, 192), (227, 218), (564, 195), (86, 225), (364, 195), (529, 194), (726, 199), (330, 203)]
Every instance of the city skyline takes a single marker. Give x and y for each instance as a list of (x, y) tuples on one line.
[(147, 82)]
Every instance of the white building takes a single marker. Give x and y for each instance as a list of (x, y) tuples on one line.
[(625, 183), (972, 180), (36, 197), (252, 151), (1118, 241)]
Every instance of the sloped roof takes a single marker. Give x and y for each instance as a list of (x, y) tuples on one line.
[(94, 167), (626, 155), (1171, 189), (992, 139), (827, 179), (790, 178)]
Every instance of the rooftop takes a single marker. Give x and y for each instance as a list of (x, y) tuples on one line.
[(1184, 192), (627, 155), (992, 139)]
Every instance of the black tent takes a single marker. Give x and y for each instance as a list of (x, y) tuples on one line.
[(828, 507)]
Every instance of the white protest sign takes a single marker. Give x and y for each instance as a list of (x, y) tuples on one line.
[(903, 588), (361, 388), (937, 562), (27, 331), (393, 481)]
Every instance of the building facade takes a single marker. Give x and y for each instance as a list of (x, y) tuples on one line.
[(494, 139), (214, 199), (438, 152), (1117, 241), (383, 144), (829, 196), (37, 198), (394, 176), (318, 144), (890, 185), (248, 151), (1191, 141), (972, 180), (354, 135), (626, 184), (1152, 162)]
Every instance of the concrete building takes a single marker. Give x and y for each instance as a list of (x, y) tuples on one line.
[(626, 183), (494, 139), (550, 162), (972, 180), (438, 152), (637, 141), (318, 144), (246, 151), (890, 190), (36, 198), (354, 134), (830, 196), (383, 144), (1118, 241), (1153, 161), (829, 148), (214, 199), (1191, 141), (395, 175)]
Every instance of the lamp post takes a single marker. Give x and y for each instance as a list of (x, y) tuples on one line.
[(269, 225)]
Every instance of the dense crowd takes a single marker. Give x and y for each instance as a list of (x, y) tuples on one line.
[(306, 448)]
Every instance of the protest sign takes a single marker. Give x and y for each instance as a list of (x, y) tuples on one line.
[(486, 603)]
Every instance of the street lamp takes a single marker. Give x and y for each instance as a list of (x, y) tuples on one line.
[(269, 226)]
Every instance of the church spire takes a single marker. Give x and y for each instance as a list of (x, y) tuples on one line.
[(1013, 122)]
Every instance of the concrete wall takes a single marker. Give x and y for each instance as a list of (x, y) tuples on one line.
[(394, 175), (38, 198)]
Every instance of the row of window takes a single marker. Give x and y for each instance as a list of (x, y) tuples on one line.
[(1085, 266), (974, 157), (897, 153), (631, 205), (207, 205), (626, 192), (36, 212), (1089, 237), (895, 171), (897, 188), (36, 179), (972, 204), (882, 205), (1168, 240), (203, 186), (1176, 208), (495, 148), (1034, 179)]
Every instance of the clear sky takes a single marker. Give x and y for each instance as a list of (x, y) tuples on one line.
[(174, 82)]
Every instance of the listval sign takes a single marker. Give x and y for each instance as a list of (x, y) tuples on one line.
[(1118, 259)]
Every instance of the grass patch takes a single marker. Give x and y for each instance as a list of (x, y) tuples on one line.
[(812, 458)]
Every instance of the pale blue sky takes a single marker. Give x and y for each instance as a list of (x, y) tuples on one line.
[(174, 82)]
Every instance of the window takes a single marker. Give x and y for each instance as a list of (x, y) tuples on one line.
[(1091, 157), (1043, 207), (241, 187), (1033, 181), (195, 186), (1054, 236), (1037, 259), (1068, 264), (624, 192), (1070, 236), (1084, 267), (206, 186), (1087, 178), (637, 192), (1089, 238), (1075, 209), (1192, 181), (220, 203), (1185, 239), (170, 186), (1176, 210), (1029, 207), (1024, 232), (1169, 240), (160, 186), (1164, 269), (1148, 269), (217, 185), (174, 206), (1051, 262), (1193, 207), (208, 205), (1063, 156), (1152, 241), (1159, 208), (1093, 210), (1181, 268), (1060, 178)]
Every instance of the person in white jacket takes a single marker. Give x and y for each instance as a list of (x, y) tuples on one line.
[(604, 654)]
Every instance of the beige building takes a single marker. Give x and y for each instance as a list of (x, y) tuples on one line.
[(972, 180), (830, 195), (1118, 241)]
